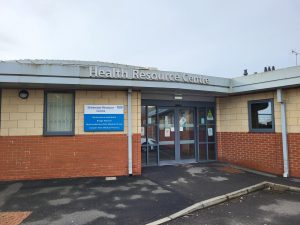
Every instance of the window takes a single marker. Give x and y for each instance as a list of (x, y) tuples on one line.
[(149, 135), (59, 113), (261, 115), (207, 133)]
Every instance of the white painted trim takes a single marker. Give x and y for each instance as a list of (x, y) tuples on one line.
[(129, 130), (283, 133)]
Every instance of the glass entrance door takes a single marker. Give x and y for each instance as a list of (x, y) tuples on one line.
[(176, 134), (167, 134), (172, 134), (187, 130)]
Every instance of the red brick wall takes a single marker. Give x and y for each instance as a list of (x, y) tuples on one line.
[(38, 157), (260, 151), (294, 154)]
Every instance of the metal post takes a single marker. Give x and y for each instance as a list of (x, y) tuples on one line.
[(284, 133), (296, 54), (129, 130)]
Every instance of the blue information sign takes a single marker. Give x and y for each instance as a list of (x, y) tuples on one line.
[(103, 118)]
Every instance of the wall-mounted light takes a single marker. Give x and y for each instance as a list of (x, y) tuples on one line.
[(23, 94)]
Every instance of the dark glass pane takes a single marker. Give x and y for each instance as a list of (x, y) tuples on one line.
[(210, 115), (211, 133), (202, 133), (143, 116), (202, 116), (186, 124), (152, 154), (187, 133), (211, 152), (187, 151), (166, 134), (144, 155), (166, 125), (167, 152), (261, 115), (151, 134), (143, 145), (202, 151), (152, 115)]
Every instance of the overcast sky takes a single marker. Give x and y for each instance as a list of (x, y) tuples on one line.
[(213, 37)]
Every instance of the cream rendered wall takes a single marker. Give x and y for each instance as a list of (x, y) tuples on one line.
[(232, 111), (292, 97), (21, 117)]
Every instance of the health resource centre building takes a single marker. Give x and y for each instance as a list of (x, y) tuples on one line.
[(62, 119)]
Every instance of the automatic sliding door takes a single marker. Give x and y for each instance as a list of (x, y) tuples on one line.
[(171, 134), (186, 133), (166, 133)]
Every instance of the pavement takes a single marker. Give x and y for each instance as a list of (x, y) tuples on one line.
[(159, 192), (262, 207)]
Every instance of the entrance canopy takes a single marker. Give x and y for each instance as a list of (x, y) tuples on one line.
[(92, 75)]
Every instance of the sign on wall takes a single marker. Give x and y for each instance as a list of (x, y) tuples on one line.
[(103, 118), (105, 72)]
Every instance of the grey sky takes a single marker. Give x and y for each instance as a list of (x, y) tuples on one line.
[(211, 37)]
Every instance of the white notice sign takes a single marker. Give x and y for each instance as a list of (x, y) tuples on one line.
[(210, 132), (202, 120), (167, 132), (182, 121), (142, 131)]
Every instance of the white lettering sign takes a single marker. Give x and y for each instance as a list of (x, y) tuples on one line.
[(103, 109), (151, 75)]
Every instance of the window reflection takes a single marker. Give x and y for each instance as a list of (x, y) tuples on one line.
[(185, 132), (149, 145), (207, 126), (261, 115)]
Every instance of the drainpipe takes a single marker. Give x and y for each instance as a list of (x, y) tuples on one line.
[(284, 133), (129, 130)]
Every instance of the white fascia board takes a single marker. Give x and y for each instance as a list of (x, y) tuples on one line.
[(87, 82), (13, 72), (67, 73), (267, 80), (11, 68)]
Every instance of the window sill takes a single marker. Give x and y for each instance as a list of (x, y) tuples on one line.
[(262, 131), (51, 134)]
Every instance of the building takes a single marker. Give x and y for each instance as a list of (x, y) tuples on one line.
[(82, 119)]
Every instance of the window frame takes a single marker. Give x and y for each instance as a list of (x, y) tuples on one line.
[(58, 133), (261, 130)]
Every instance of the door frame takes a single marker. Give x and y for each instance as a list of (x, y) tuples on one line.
[(195, 133), (183, 104), (177, 140), (166, 162)]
